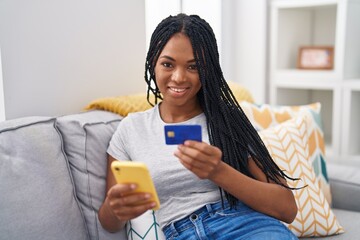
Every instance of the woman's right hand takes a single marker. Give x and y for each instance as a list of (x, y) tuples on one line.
[(122, 203), (127, 204)]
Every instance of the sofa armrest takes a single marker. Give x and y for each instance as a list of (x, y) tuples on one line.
[(344, 180)]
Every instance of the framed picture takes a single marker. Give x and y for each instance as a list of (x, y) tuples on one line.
[(312, 57)]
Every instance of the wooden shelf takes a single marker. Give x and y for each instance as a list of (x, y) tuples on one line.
[(295, 23)]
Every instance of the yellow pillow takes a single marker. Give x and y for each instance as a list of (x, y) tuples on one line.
[(240, 93), (265, 115), (288, 144), (124, 105)]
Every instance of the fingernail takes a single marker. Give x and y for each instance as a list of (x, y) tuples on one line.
[(132, 186)]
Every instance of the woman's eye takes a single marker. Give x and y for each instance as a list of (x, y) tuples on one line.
[(167, 65), (193, 67)]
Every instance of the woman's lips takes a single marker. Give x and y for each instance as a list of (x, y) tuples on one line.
[(178, 92)]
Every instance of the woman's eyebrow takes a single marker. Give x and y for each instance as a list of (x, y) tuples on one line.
[(168, 57), (172, 59)]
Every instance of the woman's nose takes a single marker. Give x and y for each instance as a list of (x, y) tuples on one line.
[(178, 75)]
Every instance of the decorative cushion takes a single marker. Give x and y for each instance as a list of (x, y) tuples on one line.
[(288, 144), (240, 93), (264, 116), (144, 227), (86, 138), (37, 197), (123, 105)]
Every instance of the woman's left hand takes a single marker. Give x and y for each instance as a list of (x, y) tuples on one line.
[(200, 158)]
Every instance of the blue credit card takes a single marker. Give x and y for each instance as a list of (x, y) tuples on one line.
[(178, 134)]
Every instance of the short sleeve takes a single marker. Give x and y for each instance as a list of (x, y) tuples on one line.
[(117, 146)]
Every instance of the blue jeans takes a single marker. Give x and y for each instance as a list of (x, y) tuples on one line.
[(214, 222)]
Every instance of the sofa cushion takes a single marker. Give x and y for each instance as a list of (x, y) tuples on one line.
[(350, 221), (265, 115), (122, 105), (288, 145), (240, 92), (86, 136), (37, 197), (345, 184)]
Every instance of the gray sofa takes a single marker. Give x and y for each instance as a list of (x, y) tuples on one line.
[(52, 179)]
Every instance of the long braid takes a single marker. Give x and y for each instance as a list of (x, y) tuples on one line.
[(229, 128)]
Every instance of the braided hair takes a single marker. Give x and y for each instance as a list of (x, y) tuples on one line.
[(229, 128)]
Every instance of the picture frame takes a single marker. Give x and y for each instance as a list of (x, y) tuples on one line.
[(316, 57)]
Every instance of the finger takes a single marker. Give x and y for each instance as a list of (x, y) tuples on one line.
[(203, 171), (119, 190), (202, 168), (131, 212), (198, 159), (130, 204), (133, 199), (203, 147), (191, 153), (189, 162)]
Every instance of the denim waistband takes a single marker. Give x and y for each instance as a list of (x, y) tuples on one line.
[(213, 221), (207, 210)]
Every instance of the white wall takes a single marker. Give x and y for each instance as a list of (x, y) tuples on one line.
[(155, 11), (2, 104), (59, 55), (229, 43), (245, 45), (210, 10)]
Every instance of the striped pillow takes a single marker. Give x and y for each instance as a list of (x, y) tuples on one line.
[(288, 144), (265, 116)]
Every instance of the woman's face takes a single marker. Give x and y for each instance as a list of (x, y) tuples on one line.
[(176, 74)]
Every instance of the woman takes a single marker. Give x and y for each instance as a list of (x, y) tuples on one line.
[(225, 187)]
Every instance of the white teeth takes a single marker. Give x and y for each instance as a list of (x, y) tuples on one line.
[(178, 89)]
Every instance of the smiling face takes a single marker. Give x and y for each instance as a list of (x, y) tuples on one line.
[(177, 76)]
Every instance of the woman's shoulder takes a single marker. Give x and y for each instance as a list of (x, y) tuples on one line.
[(137, 117)]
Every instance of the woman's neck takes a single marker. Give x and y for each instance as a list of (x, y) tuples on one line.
[(178, 114)]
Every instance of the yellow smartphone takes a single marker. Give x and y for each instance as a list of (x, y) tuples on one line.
[(135, 172)]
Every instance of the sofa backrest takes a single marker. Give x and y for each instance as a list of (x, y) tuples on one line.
[(53, 176), (86, 137), (37, 195)]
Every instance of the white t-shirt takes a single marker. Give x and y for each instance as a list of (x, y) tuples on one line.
[(140, 137)]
